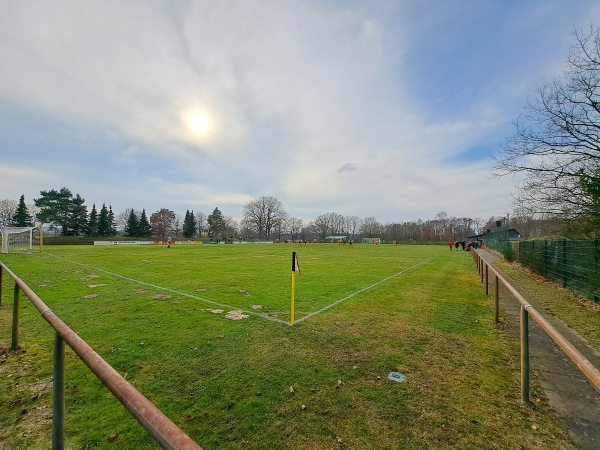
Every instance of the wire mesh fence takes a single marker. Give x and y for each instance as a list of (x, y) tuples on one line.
[(573, 264)]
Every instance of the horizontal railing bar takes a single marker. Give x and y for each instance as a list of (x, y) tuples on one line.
[(160, 427), (588, 369)]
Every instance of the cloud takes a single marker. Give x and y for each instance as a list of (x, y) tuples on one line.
[(95, 97), (348, 167)]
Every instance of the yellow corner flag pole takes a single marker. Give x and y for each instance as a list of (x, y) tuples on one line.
[(293, 284), (295, 268)]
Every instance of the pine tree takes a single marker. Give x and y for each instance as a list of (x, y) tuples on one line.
[(103, 225), (133, 225), (144, 228), (62, 209), (189, 225), (92, 229), (112, 229), (79, 214), (216, 223), (21, 217)]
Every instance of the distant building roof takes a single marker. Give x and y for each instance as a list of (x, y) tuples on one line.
[(512, 234)]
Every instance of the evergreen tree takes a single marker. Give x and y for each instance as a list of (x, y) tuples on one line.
[(189, 225), (21, 217), (62, 209), (103, 224), (216, 224), (92, 229), (112, 229), (144, 228), (79, 215), (133, 225)]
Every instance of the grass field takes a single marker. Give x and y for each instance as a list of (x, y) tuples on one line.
[(158, 316)]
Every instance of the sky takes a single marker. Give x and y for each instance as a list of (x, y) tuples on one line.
[(385, 109)]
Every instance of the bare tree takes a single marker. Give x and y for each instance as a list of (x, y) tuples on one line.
[(371, 228), (232, 228), (322, 225), (556, 144), (7, 210), (163, 223), (294, 226), (201, 220), (353, 224), (264, 214)]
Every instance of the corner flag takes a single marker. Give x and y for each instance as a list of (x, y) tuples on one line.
[(295, 268), (295, 265)]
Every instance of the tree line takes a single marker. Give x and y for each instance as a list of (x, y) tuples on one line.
[(63, 213), (264, 218)]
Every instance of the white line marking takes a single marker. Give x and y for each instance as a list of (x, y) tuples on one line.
[(195, 297), (331, 305), (263, 316)]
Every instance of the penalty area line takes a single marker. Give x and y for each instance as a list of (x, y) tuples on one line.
[(337, 302), (173, 291)]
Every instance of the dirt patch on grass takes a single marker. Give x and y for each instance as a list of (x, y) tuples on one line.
[(160, 296), (93, 286), (236, 315), (89, 277)]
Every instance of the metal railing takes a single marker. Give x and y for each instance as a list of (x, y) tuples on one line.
[(163, 431), (585, 366)]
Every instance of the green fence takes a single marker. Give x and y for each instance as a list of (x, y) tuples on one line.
[(573, 264)]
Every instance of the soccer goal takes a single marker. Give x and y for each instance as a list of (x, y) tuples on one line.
[(21, 240)]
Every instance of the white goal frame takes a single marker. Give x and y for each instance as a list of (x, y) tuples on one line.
[(21, 239)]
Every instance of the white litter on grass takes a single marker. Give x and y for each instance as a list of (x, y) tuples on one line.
[(236, 315), (396, 376)]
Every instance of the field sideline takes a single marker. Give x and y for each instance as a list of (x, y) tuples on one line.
[(159, 316)]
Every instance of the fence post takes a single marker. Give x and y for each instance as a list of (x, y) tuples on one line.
[(487, 279), (58, 394), (481, 269), (564, 263), (524, 355), (15, 325), (496, 298), (596, 258), (1, 286)]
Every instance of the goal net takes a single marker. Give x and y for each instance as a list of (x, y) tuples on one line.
[(20, 239)]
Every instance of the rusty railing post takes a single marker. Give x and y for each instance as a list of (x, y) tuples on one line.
[(487, 279), (496, 300), (58, 394), (524, 354), (481, 270), (15, 325)]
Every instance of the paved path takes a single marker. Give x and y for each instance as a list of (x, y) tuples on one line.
[(569, 392)]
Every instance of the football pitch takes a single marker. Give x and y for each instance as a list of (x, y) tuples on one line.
[(204, 332)]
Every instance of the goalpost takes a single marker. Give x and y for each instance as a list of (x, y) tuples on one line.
[(21, 239)]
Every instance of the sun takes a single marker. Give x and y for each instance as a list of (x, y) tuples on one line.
[(199, 124)]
